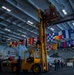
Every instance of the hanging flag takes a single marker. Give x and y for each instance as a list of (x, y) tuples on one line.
[(66, 33), (35, 40), (49, 47), (72, 43), (58, 35), (68, 43), (64, 44), (31, 41), (54, 46), (15, 43), (26, 42), (11, 44), (50, 37)]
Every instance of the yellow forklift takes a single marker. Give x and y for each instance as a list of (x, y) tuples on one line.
[(37, 61)]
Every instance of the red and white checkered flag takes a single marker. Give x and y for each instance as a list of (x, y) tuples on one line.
[(49, 46)]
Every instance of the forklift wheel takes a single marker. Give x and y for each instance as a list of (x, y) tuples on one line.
[(37, 68)]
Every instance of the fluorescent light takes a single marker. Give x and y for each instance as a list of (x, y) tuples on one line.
[(73, 24), (7, 29), (9, 39), (64, 11), (23, 35), (52, 29), (9, 10), (29, 22), (6, 8)]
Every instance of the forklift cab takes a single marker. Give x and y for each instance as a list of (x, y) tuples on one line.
[(31, 56)]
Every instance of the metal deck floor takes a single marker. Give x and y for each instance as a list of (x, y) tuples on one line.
[(65, 71)]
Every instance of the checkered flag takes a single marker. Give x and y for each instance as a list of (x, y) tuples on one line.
[(49, 47), (50, 37)]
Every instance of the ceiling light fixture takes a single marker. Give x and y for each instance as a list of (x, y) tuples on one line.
[(52, 29), (64, 11), (9, 39), (6, 8), (29, 22), (73, 24), (7, 29), (23, 35), (9, 10)]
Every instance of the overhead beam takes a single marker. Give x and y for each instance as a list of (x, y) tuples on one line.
[(20, 27), (64, 19), (29, 15), (71, 3)]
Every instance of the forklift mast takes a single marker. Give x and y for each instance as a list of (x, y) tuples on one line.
[(42, 34)]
